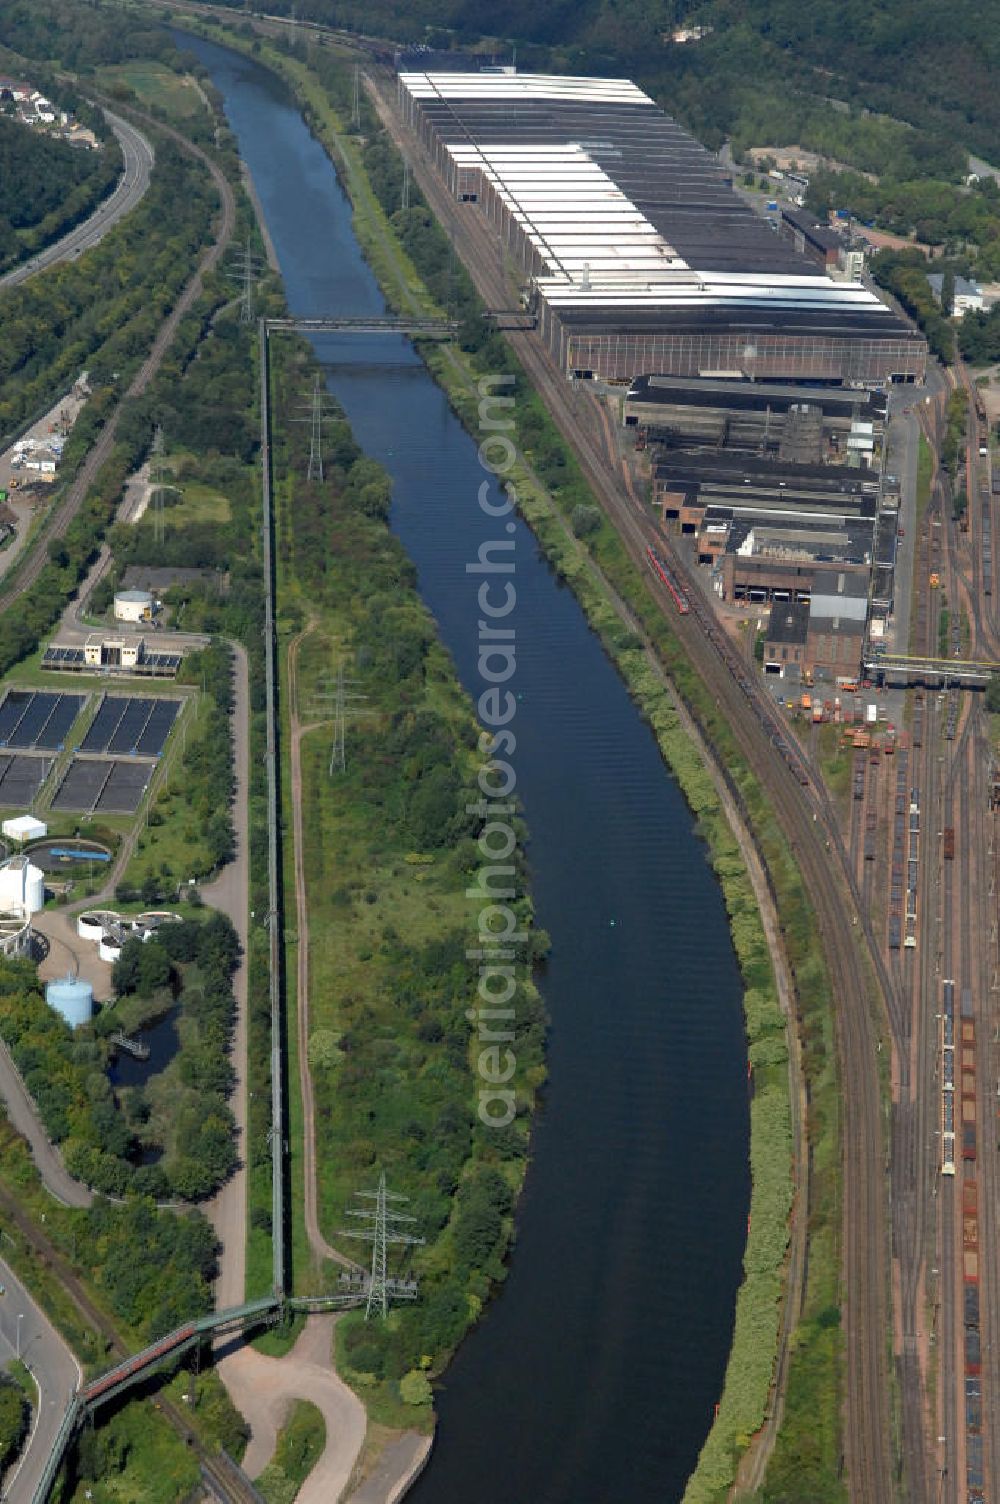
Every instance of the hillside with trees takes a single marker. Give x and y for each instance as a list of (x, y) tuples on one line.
[(777, 70), (46, 186)]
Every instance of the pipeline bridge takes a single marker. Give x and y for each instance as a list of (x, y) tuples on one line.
[(415, 328), (900, 670)]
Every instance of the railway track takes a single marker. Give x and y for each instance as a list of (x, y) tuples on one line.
[(35, 558), (804, 818)]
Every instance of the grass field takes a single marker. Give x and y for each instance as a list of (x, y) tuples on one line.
[(156, 86)]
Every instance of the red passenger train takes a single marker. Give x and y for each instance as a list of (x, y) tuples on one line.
[(658, 567)]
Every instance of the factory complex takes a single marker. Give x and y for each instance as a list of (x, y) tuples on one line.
[(638, 257)]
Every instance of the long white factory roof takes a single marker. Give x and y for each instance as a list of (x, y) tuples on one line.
[(598, 245)]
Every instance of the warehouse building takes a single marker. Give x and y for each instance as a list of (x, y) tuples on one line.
[(638, 254)]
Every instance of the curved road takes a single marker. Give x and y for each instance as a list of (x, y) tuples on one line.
[(54, 1369), (138, 156)]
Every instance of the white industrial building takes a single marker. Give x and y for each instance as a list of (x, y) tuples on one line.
[(639, 255), (24, 828)]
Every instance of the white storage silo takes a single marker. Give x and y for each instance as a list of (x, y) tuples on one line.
[(72, 999), (133, 605), (22, 885)]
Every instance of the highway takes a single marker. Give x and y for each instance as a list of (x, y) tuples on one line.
[(138, 158), (866, 1247), (25, 1330)]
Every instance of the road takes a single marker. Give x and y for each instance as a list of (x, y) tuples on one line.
[(264, 1388), (865, 1244), (26, 1330), (24, 1117), (138, 157)]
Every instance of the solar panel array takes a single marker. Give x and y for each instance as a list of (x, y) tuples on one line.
[(31, 718), (132, 725), (63, 657), (101, 783)]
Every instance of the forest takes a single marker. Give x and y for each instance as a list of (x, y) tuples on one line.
[(770, 72)]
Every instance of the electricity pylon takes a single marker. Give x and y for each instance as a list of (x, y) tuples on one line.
[(383, 1231), (315, 470), (342, 700), (341, 709), (244, 270), (315, 417)]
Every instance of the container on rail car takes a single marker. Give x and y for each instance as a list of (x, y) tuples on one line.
[(949, 843)]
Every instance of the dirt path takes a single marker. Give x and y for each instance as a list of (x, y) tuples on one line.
[(320, 1247), (230, 894), (263, 1390)]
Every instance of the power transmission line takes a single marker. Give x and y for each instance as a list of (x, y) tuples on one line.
[(384, 1231), (315, 418), (315, 470), (244, 269), (343, 701)]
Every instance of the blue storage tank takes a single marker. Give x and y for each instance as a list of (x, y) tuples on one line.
[(72, 998)]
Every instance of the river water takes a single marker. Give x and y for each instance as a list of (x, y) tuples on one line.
[(595, 1374)]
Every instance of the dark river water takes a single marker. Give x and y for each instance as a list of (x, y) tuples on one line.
[(595, 1374)]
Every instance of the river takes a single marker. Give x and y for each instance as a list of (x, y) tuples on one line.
[(595, 1374)]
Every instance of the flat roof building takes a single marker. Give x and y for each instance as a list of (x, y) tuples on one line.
[(639, 255)]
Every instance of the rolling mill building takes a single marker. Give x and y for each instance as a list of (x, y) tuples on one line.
[(637, 254)]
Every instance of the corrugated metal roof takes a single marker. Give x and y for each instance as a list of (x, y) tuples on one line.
[(656, 224)]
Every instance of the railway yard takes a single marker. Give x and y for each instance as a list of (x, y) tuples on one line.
[(902, 872)]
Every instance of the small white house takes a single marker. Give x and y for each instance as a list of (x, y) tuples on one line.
[(968, 295)]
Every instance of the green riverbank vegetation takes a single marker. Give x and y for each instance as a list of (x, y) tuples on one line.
[(389, 850), (410, 254)]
